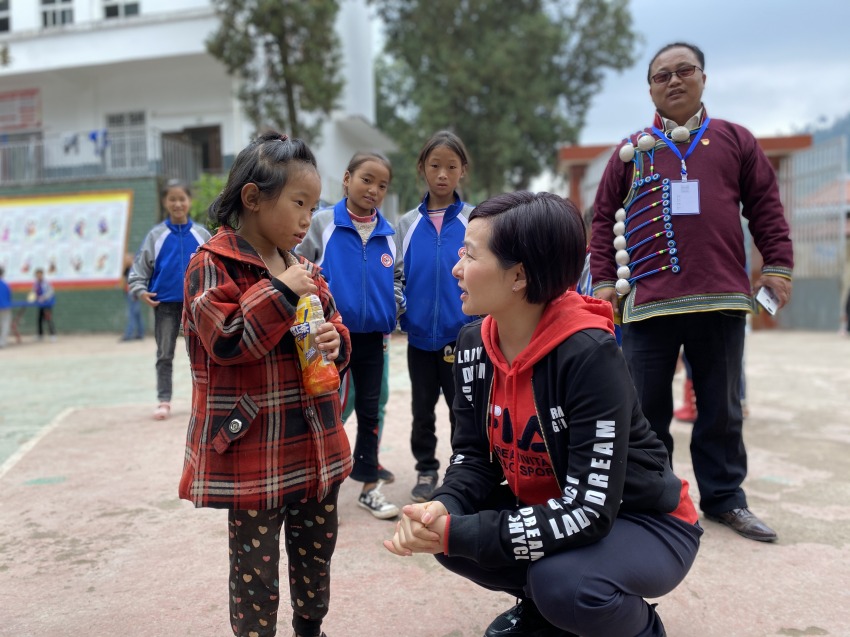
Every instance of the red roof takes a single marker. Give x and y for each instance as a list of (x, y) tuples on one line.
[(772, 147)]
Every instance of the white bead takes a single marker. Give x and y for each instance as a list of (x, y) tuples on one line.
[(619, 229), (680, 134), (623, 272), (646, 142), (627, 152), (622, 257), (620, 243), (622, 287), (620, 215)]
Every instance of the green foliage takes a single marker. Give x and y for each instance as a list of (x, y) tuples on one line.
[(204, 192), (287, 54), (513, 78)]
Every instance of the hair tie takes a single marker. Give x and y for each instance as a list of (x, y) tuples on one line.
[(283, 137)]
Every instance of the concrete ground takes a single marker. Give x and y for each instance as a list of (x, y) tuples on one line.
[(93, 540)]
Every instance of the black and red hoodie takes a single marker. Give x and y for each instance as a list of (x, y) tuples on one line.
[(563, 426)]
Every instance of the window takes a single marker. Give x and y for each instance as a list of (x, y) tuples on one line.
[(119, 9), (4, 16), (55, 13), (126, 140)]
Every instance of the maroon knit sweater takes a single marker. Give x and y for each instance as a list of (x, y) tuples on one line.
[(735, 177)]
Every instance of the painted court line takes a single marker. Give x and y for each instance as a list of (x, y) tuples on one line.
[(25, 448)]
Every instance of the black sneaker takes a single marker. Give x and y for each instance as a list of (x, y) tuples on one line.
[(385, 475), (523, 620), (376, 503), (425, 486)]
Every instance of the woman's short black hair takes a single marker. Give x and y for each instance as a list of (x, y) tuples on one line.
[(264, 162), (542, 231)]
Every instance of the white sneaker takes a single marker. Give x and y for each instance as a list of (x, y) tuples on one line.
[(376, 503), (162, 412)]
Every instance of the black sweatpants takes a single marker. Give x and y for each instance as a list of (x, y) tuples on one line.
[(598, 590), (429, 373), (366, 367)]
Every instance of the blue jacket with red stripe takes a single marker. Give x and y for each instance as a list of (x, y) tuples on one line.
[(365, 280)]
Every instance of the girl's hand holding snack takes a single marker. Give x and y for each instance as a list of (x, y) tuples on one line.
[(327, 340), (297, 279)]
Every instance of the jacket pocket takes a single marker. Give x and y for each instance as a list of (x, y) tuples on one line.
[(234, 425)]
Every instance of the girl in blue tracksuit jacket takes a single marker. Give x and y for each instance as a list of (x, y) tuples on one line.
[(430, 241), (353, 244), (157, 279)]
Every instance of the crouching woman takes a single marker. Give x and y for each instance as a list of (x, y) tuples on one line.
[(558, 492)]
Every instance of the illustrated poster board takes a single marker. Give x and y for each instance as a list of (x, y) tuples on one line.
[(78, 239)]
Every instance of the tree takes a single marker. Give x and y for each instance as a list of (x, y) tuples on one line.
[(286, 54), (204, 192), (513, 78)]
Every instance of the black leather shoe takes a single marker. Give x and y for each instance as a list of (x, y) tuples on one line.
[(745, 523), (523, 620)]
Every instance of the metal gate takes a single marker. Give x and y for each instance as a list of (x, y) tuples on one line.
[(813, 185)]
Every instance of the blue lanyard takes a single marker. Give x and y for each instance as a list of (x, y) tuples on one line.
[(693, 145)]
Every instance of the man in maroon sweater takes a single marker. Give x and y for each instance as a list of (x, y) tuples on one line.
[(667, 251)]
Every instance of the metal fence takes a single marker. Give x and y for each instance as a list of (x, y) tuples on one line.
[(813, 186), (110, 153)]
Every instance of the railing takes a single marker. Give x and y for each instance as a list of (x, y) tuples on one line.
[(105, 153)]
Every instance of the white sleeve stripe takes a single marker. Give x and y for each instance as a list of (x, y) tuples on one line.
[(408, 235), (326, 237)]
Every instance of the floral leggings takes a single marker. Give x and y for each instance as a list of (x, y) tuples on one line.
[(310, 531)]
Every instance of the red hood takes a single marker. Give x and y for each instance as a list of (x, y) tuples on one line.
[(562, 318), (512, 389)]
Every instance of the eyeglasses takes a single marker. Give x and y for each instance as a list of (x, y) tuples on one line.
[(682, 72)]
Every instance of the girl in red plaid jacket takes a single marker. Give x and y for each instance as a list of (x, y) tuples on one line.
[(257, 444)]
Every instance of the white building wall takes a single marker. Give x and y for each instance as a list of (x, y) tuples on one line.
[(355, 29), (108, 42), (157, 63)]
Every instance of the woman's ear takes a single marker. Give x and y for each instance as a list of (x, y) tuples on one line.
[(250, 197), (520, 281)]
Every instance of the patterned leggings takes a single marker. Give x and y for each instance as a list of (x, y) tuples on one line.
[(310, 530)]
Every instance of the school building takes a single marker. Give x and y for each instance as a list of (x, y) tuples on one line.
[(814, 185), (101, 101)]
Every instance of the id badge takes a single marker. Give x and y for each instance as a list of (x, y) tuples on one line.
[(684, 197)]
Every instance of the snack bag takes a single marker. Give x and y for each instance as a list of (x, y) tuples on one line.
[(320, 375)]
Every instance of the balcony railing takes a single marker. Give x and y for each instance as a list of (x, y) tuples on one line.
[(98, 154)]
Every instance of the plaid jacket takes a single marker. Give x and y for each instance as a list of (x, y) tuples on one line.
[(256, 440)]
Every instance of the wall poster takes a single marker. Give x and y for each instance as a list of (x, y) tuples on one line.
[(78, 239)]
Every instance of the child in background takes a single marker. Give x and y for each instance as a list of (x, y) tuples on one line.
[(353, 244), (257, 444), (430, 241), (5, 309), (157, 279), (135, 329), (45, 298)]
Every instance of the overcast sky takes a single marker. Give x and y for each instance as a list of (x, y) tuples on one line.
[(774, 66)]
